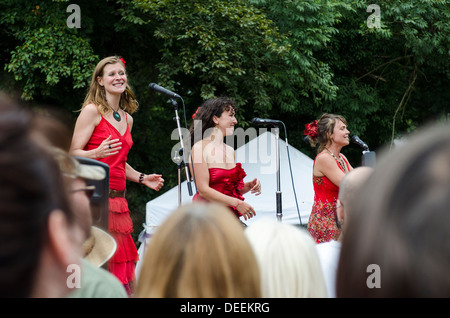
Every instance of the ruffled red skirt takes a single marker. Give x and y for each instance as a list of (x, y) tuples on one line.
[(122, 264)]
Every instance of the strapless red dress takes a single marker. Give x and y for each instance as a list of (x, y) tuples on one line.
[(322, 220), (122, 264), (227, 181)]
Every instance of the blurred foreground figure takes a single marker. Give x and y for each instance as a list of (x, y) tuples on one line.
[(199, 251), (38, 235), (288, 260), (396, 242)]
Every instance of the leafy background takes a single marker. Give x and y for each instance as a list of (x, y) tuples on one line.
[(288, 60)]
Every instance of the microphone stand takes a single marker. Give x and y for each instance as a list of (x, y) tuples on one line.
[(182, 153), (177, 159), (278, 193)]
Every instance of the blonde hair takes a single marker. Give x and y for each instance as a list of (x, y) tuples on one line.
[(288, 260), (96, 94), (325, 128), (199, 251)]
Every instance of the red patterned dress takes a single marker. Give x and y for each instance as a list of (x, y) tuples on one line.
[(322, 221), (122, 264), (227, 181)]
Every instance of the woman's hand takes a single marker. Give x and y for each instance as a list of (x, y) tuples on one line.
[(255, 186), (245, 209), (108, 147), (153, 181)]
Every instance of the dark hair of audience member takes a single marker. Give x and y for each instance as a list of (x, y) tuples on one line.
[(31, 186), (401, 224)]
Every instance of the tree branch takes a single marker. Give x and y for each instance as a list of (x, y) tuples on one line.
[(403, 102), (384, 64)]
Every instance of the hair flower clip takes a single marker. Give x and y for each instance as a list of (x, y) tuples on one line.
[(311, 129), (195, 114), (123, 61)]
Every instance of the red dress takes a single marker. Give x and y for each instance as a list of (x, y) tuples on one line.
[(122, 264), (322, 221), (226, 181)]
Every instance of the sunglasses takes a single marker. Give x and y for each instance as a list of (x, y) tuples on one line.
[(89, 190)]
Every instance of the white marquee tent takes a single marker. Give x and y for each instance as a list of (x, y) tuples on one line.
[(258, 158)]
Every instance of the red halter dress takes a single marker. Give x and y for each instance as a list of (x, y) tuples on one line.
[(227, 181), (322, 220), (122, 264)]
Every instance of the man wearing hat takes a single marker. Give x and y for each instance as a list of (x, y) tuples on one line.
[(99, 246)]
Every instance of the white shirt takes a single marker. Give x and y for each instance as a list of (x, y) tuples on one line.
[(329, 258)]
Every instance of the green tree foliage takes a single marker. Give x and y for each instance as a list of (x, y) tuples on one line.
[(212, 48), (307, 27), (391, 79), (44, 50)]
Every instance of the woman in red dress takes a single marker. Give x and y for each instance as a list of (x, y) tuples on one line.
[(218, 178), (330, 135), (103, 132)]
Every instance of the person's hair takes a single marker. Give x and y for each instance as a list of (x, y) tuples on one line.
[(31, 186), (96, 94), (326, 124), (199, 251), (350, 184), (52, 128), (288, 260), (401, 223), (205, 113)]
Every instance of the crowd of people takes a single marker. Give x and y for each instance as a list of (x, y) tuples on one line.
[(373, 232)]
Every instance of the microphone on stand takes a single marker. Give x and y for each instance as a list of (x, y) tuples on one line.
[(359, 142), (259, 122), (368, 157), (163, 90), (182, 153)]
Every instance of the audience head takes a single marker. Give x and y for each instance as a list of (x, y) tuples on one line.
[(98, 246), (199, 251), (348, 191), (401, 224), (288, 260), (51, 127), (36, 220)]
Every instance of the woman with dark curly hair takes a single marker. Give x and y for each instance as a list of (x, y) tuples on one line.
[(218, 177)]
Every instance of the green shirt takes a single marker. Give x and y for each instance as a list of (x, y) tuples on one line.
[(97, 283)]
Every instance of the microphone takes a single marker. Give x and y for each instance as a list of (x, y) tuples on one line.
[(163, 90), (359, 142), (259, 122)]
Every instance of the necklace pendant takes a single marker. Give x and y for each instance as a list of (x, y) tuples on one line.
[(116, 116)]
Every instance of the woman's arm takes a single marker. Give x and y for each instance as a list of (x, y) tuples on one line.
[(326, 166), (152, 181)]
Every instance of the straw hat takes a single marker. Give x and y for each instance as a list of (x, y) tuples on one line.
[(99, 247), (89, 172), (73, 168)]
